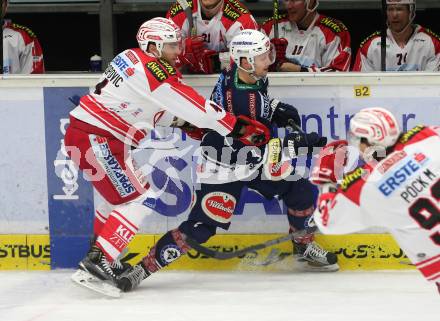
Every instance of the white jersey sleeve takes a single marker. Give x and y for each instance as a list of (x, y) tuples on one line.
[(137, 92)]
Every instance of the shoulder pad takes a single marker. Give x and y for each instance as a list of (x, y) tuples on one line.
[(176, 8), (373, 35), (431, 33), (233, 10), (333, 24), (406, 137), (25, 29), (352, 177), (272, 19), (170, 69)]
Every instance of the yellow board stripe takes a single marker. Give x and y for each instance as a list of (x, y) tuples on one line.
[(355, 252)]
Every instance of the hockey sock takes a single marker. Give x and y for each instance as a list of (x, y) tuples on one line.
[(120, 228), (298, 221), (169, 248)]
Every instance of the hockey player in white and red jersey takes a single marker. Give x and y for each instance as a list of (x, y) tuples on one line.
[(215, 22), (398, 188), (140, 89), (409, 47), (309, 41), (22, 53)]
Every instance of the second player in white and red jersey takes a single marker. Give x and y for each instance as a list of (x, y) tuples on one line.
[(398, 187), (309, 41), (216, 22), (409, 47)]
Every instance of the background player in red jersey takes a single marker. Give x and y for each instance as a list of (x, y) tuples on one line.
[(214, 24), (22, 53), (307, 40)]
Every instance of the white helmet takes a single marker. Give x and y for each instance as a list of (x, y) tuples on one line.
[(377, 125), (158, 31), (248, 44)]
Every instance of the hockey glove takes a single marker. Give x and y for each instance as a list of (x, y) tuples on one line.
[(207, 61), (325, 202), (284, 114), (193, 52), (250, 132), (297, 143), (280, 45), (329, 168)]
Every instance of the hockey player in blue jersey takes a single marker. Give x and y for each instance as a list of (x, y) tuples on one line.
[(228, 166)]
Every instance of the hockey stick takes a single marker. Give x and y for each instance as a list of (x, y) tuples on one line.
[(189, 16), (230, 255), (383, 37), (275, 18)]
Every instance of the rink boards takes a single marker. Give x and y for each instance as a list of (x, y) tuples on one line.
[(46, 205), (360, 251)]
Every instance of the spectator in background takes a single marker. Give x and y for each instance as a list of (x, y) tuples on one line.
[(410, 47), (22, 53), (309, 41), (216, 23)]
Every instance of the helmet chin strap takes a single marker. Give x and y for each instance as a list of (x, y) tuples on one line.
[(211, 11), (251, 72), (309, 11), (410, 23)]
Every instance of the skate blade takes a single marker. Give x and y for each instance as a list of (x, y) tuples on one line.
[(306, 266), (87, 280)]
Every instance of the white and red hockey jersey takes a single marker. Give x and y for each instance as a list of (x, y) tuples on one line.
[(324, 46), (421, 53), (400, 193), (138, 91), (220, 29), (22, 53)]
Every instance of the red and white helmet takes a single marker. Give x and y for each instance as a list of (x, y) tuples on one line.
[(158, 31), (377, 125), (307, 3)]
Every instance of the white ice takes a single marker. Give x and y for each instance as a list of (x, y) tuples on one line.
[(225, 296)]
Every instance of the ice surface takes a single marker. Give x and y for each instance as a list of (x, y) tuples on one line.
[(225, 296)]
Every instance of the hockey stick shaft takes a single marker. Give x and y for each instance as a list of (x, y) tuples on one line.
[(383, 37), (275, 18), (230, 255), (189, 16)]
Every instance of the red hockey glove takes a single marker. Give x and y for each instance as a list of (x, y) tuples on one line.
[(325, 202), (250, 132), (329, 168), (194, 47), (206, 62), (280, 45), (194, 132)]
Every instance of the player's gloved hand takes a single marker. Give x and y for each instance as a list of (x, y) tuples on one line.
[(280, 45), (297, 143), (329, 167), (284, 114), (194, 132), (325, 202), (207, 61), (193, 50), (250, 131)]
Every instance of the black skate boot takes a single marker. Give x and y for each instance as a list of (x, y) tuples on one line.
[(314, 258), (132, 277), (96, 264)]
